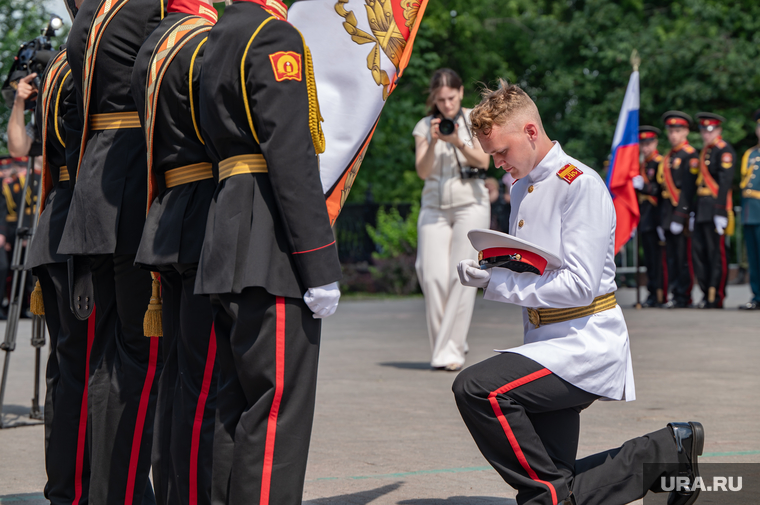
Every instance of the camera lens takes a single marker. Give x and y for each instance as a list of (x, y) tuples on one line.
[(446, 126)]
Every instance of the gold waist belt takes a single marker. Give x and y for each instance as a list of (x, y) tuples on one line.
[(188, 174), (538, 317), (243, 164), (114, 121), (63, 175), (751, 193), (703, 191)]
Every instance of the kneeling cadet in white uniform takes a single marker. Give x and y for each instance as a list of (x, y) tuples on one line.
[(523, 406)]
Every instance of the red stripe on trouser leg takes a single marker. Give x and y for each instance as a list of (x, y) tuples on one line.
[(142, 412), (82, 433), (198, 423), (266, 477), (723, 270), (508, 429)]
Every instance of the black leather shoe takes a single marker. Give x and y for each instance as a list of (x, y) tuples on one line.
[(750, 305), (651, 302), (690, 440)]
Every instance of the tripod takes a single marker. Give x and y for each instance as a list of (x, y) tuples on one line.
[(23, 233)]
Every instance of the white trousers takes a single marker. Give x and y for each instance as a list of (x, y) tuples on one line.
[(441, 244)]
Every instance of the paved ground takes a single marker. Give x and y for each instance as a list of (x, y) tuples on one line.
[(387, 430)]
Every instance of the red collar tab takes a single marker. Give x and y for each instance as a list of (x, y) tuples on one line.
[(709, 122), (680, 146), (676, 121), (647, 135), (194, 7), (274, 7), (521, 255)]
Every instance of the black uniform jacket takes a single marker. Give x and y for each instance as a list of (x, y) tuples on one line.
[(649, 196), (61, 130), (266, 229), (107, 211), (176, 222), (719, 160), (683, 161)]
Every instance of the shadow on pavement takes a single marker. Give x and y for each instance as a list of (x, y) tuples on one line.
[(25, 499), (460, 500), (408, 365), (17, 415), (361, 498)]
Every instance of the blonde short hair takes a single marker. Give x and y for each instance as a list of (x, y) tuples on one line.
[(499, 106)]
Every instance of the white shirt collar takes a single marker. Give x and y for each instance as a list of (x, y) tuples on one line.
[(547, 165)]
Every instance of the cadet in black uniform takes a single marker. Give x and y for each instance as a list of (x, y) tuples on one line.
[(66, 449), (181, 187), (268, 241), (714, 207), (649, 195), (677, 175), (105, 223), (750, 186)]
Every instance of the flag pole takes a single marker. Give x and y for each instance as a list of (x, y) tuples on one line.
[(635, 62)]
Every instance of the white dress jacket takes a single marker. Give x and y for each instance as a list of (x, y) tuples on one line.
[(575, 221)]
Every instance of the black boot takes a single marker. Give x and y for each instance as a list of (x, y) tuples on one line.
[(690, 440)]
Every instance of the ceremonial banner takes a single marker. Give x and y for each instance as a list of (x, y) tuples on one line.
[(360, 49), (624, 164)]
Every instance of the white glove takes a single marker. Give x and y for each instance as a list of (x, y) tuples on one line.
[(721, 222), (470, 274), (323, 300), (638, 182), (675, 228), (692, 219), (661, 234)]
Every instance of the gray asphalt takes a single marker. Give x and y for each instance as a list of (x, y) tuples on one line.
[(386, 429)]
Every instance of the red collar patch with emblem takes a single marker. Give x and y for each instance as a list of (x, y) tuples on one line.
[(569, 173)]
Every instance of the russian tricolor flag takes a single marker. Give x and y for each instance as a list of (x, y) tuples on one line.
[(625, 165)]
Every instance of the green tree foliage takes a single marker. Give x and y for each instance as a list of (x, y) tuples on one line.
[(572, 57), (20, 21)]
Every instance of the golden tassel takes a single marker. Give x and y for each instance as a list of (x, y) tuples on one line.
[(731, 228), (153, 324), (36, 305), (315, 115)]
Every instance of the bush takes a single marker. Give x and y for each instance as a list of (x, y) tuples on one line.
[(395, 239)]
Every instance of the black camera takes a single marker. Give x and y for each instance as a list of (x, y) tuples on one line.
[(446, 126), (472, 173), (32, 57)]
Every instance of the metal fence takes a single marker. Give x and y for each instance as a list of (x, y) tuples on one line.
[(354, 243), (626, 260)]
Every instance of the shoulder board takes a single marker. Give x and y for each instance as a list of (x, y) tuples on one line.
[(569, 173), (658, 158), (689, 149)]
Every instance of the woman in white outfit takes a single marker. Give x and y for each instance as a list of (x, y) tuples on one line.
[(454, 201)]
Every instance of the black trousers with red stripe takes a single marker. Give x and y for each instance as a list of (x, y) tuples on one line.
[(268, 349), (124, 370), (710, 262), (67, 458), (184, 427), (526, 422)]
